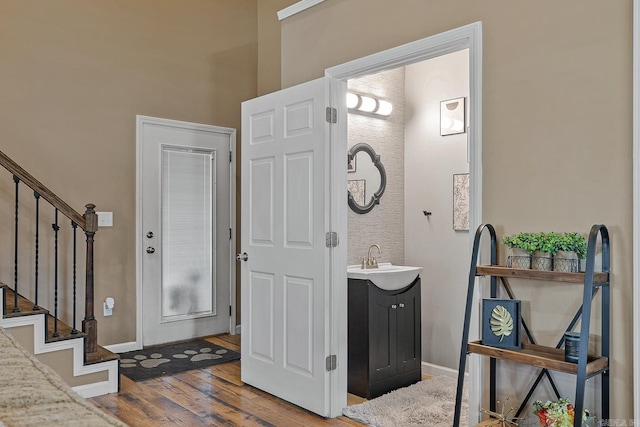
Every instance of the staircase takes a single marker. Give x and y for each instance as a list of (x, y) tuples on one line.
[(45, 267)]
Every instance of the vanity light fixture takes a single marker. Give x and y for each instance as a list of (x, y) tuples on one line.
[(368, 104)]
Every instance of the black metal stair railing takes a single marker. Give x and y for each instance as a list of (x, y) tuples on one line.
[(37, 247), (87, 222), (15, 252)]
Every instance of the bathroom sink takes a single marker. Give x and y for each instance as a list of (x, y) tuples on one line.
[(387, 276)]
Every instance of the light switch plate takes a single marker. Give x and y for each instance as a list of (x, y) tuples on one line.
[(105, 219)]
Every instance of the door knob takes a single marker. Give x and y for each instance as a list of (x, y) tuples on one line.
[(401, 305), (149, 234), (394, 306), (150, 250), (242, 257)]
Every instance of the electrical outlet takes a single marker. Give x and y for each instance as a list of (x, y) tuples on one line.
[(105, 219), (108, 305)]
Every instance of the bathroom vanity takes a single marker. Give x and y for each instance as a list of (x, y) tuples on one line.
[(383, 336)]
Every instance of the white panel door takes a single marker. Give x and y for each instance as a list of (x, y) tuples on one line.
[(185, 229), (285, 215)]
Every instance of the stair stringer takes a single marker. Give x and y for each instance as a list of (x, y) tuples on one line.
[(76, 345)]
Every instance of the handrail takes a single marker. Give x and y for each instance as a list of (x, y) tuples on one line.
[(87, 222), (46, 194)]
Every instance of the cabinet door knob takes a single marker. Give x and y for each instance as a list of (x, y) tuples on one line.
[(401, 305), (394, 306)]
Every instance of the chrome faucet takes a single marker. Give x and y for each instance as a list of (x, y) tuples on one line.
[(370, 262)]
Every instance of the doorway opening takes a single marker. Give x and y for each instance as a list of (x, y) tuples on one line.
[(421, 219), (469, 39), (185, 218)]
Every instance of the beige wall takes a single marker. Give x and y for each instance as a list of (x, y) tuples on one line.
[(269, 44), (75, 74), (557, 124)]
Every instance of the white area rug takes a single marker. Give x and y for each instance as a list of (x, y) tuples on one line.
[(427, 403)]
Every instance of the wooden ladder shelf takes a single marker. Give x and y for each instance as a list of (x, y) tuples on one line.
[(544, 357)]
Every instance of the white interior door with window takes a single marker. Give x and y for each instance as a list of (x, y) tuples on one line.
[(185, 229), (285, 271)]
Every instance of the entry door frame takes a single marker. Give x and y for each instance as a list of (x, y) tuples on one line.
[(636, 208), (466, 37), (140, 121)]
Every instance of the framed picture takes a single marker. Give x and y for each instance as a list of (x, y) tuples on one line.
[(351, 164), (452, 117), (357, 189), (501, 323), (461, 202)]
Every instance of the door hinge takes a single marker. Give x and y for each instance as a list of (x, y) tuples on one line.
[(230, 156), (332, 239), (230, 234), (332, 115), (331, 362), (229, 310)]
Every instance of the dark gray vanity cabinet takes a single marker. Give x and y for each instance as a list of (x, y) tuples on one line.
[(384, 338)]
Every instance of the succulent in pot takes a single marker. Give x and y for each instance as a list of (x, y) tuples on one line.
[(520, 245), (571, 247), (546, 248)]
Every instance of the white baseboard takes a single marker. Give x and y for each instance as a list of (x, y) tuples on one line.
[(238, 329), (102, 387), (434, 370), (76, 346), (123, 347)]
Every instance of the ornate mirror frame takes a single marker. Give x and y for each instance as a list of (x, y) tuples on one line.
[(375, 199)]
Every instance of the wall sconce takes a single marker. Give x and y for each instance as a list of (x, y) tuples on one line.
[(368, 104)]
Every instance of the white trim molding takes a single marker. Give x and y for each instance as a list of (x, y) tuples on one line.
[(301, 6), (123, 347), (76, 346), (435, 370), (636, 209), (466, 37)]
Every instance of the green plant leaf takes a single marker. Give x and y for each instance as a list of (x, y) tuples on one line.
[(501, 322)]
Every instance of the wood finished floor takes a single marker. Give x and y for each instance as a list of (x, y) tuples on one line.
[(212, 396)]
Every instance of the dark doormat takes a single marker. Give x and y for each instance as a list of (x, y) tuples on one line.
[(170, 359)]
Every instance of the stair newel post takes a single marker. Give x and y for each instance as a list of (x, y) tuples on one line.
[(15, 253), (90, 324)]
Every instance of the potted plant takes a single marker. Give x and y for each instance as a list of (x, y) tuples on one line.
[(520, 247), (559, 413), (571, 248), (546, 247)]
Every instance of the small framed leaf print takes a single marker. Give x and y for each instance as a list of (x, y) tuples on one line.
[(501, 323)]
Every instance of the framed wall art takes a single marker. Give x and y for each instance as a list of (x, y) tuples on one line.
[(501, 323), (357, 189), (461, 202), (452, 117)]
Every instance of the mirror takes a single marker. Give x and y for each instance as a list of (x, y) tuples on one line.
[(366, 178)]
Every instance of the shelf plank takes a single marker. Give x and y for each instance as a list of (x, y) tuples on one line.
[(539, 356), (501, 271)]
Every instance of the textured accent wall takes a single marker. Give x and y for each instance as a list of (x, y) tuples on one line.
[(383, 225)]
